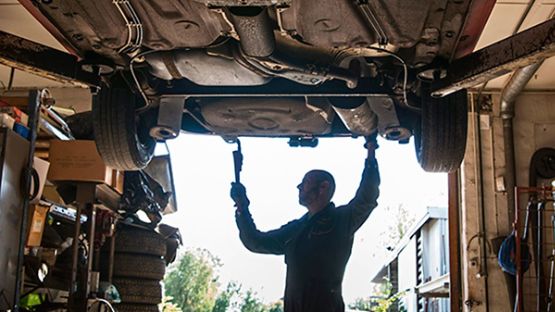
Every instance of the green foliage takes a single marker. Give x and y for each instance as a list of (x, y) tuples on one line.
[(276, 307), (192, 281), (251, 303), (227, 299), (234, 299), (191, 285), (382, 300), (402, 221), (168, 306)]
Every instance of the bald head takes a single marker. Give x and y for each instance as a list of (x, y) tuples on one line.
[(316, 190), (322, 176)]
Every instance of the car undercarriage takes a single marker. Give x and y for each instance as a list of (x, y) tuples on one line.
[(292, 68)]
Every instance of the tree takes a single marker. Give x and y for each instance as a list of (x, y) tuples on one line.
[(168, 306), (233, 299), (276, 307), (228, 299), (192, 281), (251, 303), (192, 286), (383, 299), (398, 225)]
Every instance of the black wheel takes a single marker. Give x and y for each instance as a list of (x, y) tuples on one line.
[(138, 291), (135, 266), (139, 241), (121, 138), (440, 137)]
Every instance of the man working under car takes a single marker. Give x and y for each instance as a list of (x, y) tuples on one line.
[(318, 245)]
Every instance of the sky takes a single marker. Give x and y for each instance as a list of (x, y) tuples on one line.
[(203, 172)]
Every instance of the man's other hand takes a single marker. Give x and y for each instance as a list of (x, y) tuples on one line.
[(239, 195), (372, 141), (371, 145)]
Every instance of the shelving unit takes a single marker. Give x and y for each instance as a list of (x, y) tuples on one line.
[(90, 198)]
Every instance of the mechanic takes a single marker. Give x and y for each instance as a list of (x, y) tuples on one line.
[(318, 245)]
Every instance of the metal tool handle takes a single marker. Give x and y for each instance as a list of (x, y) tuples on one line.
[(238, 162)]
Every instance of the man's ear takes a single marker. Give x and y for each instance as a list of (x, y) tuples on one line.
[(324, 185)]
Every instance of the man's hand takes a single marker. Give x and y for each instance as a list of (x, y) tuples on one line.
[(371, 144), (239, 195)]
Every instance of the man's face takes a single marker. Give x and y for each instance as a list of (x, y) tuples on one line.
[(308, 190)]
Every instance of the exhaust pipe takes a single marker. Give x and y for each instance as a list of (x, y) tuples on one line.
[(257, 40), (254, 27)]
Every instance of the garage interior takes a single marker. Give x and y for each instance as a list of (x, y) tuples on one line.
[(503, 190)]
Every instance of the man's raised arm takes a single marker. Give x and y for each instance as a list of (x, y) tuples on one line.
[(271, 242), (365, 200)]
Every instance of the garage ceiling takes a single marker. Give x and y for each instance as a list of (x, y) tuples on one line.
[(504, 20)]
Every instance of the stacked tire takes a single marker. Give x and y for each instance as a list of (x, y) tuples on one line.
[(139, 266)]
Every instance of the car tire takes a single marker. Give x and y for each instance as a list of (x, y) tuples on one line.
[(120, 139), (138, 291), (136, 266), (440, 136), (138, 241)]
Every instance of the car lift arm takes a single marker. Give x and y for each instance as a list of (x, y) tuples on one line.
[(44, 61), (524, 48)]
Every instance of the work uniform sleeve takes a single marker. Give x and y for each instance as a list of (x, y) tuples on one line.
[(271, 242), (359, 208)]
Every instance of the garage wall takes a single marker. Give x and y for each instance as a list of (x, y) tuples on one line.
[(485, 216)]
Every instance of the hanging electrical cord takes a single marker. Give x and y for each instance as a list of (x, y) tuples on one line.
[(99, 301)]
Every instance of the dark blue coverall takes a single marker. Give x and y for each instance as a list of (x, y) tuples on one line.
[(316, 248)]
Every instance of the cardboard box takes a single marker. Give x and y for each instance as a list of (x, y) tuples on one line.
[(77, 160), (50, 194), (37, 222)]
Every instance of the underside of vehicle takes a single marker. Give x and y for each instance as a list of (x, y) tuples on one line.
[(300, 69)]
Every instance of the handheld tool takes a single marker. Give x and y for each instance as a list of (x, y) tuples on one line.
[(238, 161)]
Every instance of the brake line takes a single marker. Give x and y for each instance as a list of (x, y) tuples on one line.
[(139, 87), (405, 74), (371, 19)]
